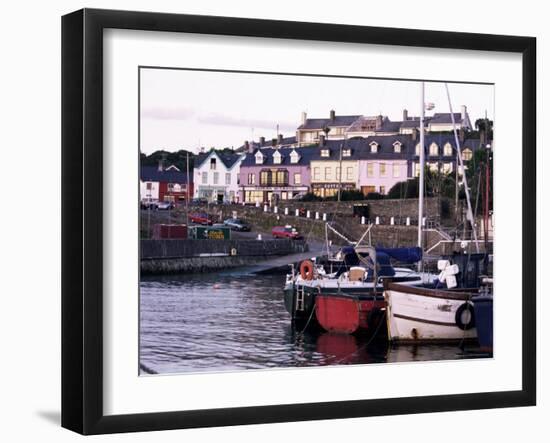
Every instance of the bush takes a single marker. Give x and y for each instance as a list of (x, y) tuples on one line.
[(374, 196), (310, 197)]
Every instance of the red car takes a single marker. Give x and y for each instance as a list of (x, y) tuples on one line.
[(285, 232), (201, 219)]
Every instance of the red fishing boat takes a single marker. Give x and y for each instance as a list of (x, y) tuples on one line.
[(350, 313)]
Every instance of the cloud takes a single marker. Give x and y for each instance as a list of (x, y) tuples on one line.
[(180, 113), (226, 120)]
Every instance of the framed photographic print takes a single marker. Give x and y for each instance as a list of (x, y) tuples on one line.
[(270, 221)]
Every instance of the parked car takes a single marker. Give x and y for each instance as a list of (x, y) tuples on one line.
[(285, 232), (237, 224), (148, 203), (165, 206), (200, 218)]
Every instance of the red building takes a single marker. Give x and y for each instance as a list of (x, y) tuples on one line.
[(169, 184)]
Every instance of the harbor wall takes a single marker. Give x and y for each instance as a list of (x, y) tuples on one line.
[(172, 256)]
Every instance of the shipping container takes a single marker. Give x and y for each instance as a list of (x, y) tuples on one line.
[(169, 231)]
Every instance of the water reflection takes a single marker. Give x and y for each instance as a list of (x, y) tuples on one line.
[(214, 322)]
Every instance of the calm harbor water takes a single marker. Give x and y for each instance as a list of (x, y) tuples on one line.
[(228, 322)]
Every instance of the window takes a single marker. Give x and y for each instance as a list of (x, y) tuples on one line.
[(325, 153), (213, 164), (216, 177), (227, 178), (349, 173), (447, 150), (338, 173), (434, 150), (294, 157), (280, 177), (447, 168), (346, 153), (328, 173), (417, 169), (297, 179), (204, 177), (254, 196), (395, 168), (397, 147), (265, 178), (382, 189), (374, 147), (259, 158), (277, 158), (434, 166), (149, 186), (467, 154), (382, 169), (251, 179), (417, 149), (316, 173), (370, 170)]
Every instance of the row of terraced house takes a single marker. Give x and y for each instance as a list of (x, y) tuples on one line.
[(350, 152)]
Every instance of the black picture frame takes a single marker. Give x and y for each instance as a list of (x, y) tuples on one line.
[(82, 215)]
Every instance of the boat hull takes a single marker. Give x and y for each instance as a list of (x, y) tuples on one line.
[(345, 314), (483, 307), (428, 315)]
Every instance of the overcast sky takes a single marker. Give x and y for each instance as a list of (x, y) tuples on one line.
[(189, 109)]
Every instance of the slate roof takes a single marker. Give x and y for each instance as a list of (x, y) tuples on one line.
[(320, 123), (440, 117), (306, 155), (152, 174), (227, 159)]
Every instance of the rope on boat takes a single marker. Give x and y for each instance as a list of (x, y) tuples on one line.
[(308, 320)]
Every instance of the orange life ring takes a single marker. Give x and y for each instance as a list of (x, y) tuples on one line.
[(306, 270)]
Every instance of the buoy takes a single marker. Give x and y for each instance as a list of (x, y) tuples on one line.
[(306, 270)]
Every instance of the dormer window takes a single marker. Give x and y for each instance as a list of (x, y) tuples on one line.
[(447, 150), (294, 157), (277, 158), (346, 153), (374, 147), (325, 153), (434, 150), (397, 147), (213, 164), (259, 158)]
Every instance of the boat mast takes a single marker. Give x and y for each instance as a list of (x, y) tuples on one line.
[(421, 178), (469, 216)]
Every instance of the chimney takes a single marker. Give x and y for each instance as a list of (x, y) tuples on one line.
[(321, 140), (414, 134), (262, 141), (304, 118), (482, 138), (405, 115), (279, 139), (463, 111), (332, 115), (161, 165), (379, 121), (247, 146)]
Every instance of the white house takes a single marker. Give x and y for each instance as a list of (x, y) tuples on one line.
[(216, 176)]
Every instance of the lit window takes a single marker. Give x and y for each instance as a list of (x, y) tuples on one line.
[(328, 173), (325, 153), (447, 150), (294, 157), (395, 170), (466, 154), (397, 147), (434, 150), (417, 149), (382, 189), (417, 169), (370, 170), (374, 147), (447, 168), (346, 153), (297, 179), (434, 167), (259, 158), (382, 169), (277, 158)]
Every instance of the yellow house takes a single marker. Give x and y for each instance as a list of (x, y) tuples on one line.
[(325, 173)]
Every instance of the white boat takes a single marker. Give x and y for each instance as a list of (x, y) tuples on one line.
[(416, 314)]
